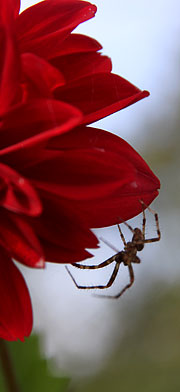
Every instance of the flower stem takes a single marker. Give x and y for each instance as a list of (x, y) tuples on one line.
[(7, 367)]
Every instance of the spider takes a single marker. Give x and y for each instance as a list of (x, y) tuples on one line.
[(126, 256)]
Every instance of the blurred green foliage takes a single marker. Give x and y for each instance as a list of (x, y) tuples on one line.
[(31, 370), (148, 357)]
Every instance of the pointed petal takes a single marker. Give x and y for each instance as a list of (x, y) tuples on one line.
[(15, 304), (17, 194), (100, 95), (84, 137), (42, 28), (76, 43), (60, 253), (124, 201), (118, 208), (84, 64), (18, 238)]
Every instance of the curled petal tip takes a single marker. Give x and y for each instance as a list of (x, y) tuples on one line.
[(91, 11), (40, 263), (146, 93)]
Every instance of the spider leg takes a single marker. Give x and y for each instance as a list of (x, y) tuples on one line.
[(143, 223), (110, 282), (122, 235), (101, 265), (109, 244), (146, 241), (157, 228), (131, 275), (129, 227)]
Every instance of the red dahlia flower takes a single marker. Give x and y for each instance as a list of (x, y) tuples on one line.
[(58, 178), (67, 66)]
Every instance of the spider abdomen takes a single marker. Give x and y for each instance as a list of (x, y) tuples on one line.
[(139, 247)]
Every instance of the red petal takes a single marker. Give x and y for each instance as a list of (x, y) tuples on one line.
[(82, 174), (99, 95), (20, 241), (16, 5), (17, 194), (21, 159), (112, 210), (83, 138), (76, 43), (15, 304), (8, 10), (61, 232), (10, 92), (42, 28), (124, 202), (77, 66), (42, 75), (60, 253), (34, 122)]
